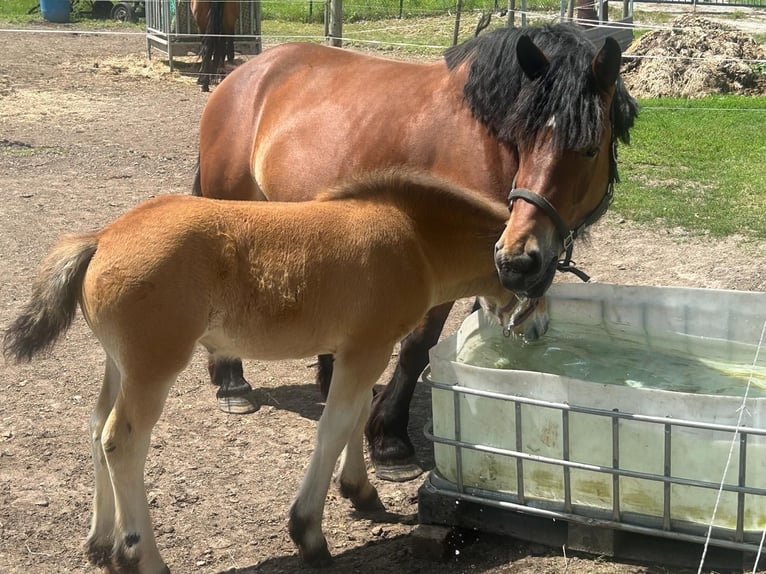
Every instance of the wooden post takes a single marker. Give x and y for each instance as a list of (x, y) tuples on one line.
[(257, 16), (511, 13), (335, 29), (456, 32), (587, 16)]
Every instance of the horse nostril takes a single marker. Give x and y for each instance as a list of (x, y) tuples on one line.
[(498, 246), (526, 263)]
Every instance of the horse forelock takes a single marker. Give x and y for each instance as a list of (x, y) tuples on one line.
[(516, 109)]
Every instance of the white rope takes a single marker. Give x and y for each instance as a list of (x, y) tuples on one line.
[(760, 549), (734, 439)]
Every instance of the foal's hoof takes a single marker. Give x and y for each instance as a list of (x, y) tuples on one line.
[(398, 472), (239, 404), (320, 558), (367, 502)]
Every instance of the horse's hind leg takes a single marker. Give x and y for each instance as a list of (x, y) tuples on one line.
[(99, 542), (353, 378), (125, 441)]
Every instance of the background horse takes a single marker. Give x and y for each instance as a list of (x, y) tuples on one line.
[(216, 21), (267, 281), (541, 107)]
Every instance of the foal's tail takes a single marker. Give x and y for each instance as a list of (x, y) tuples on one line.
[(213, 50), (55, 294)]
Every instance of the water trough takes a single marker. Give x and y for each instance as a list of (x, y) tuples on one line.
[(594, 456)]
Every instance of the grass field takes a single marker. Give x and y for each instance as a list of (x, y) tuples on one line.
[(698, 164)]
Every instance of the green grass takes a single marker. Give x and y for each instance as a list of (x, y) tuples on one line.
[(15, 10), (697, 164), (21, 11)]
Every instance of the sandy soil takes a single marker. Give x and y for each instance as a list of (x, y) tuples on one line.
[(89, 128)]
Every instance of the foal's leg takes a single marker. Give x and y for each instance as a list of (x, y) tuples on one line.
[(352, 479), (391, 450), (235, 395), (125, 440), (99, 542), (353, 378)]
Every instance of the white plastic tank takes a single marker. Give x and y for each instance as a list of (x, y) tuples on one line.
[(610, 436)]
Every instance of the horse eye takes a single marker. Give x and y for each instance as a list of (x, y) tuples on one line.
[(592, 151)]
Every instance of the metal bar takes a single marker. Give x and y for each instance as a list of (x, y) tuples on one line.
[(458, 449), (616, 466), (740, 534), (565, 454), (519, 460), (590, 410), (592, 467), (666, 491)]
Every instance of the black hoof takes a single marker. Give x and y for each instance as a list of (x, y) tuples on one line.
[(320, 558), (297, 527), (363, 502)]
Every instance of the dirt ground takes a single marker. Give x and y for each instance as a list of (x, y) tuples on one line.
[(88, 129)]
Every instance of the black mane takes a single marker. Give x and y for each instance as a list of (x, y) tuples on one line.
[(515, 108)]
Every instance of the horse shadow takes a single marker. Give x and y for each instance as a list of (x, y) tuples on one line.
[(306, 401), (461, 555)]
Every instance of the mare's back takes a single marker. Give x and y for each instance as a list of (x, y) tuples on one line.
[(308, 116)]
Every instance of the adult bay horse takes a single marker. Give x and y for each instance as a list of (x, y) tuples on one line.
[(216, 21), (537, 108), (261, 280)]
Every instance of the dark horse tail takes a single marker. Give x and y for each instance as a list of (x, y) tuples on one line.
[(213, 50), (55, 294)]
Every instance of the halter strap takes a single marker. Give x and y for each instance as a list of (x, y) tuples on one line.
[(566, 265)]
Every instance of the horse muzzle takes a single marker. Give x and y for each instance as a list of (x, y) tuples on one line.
[(527, 273)]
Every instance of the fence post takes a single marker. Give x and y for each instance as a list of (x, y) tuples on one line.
[(456, 32), (511, 13), (336, 23)]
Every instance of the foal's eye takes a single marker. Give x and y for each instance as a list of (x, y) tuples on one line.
[(592, 151)]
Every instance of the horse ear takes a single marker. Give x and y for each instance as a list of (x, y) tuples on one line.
[(531, 59), (606, 64)]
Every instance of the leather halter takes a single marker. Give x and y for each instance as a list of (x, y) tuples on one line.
[(566, 265)]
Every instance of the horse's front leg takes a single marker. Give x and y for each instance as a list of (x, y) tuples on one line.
[(354, 374), (391, 450), (125, 441), (234, 395)]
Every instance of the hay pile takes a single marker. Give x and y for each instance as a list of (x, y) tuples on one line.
[(696, 58)]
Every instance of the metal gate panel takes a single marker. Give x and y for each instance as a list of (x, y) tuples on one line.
[(171, 29)]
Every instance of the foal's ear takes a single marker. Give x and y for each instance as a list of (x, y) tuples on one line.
[(606, 64), (531, 59)]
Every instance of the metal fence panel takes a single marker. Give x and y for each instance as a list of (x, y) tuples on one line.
[(171, 29)]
